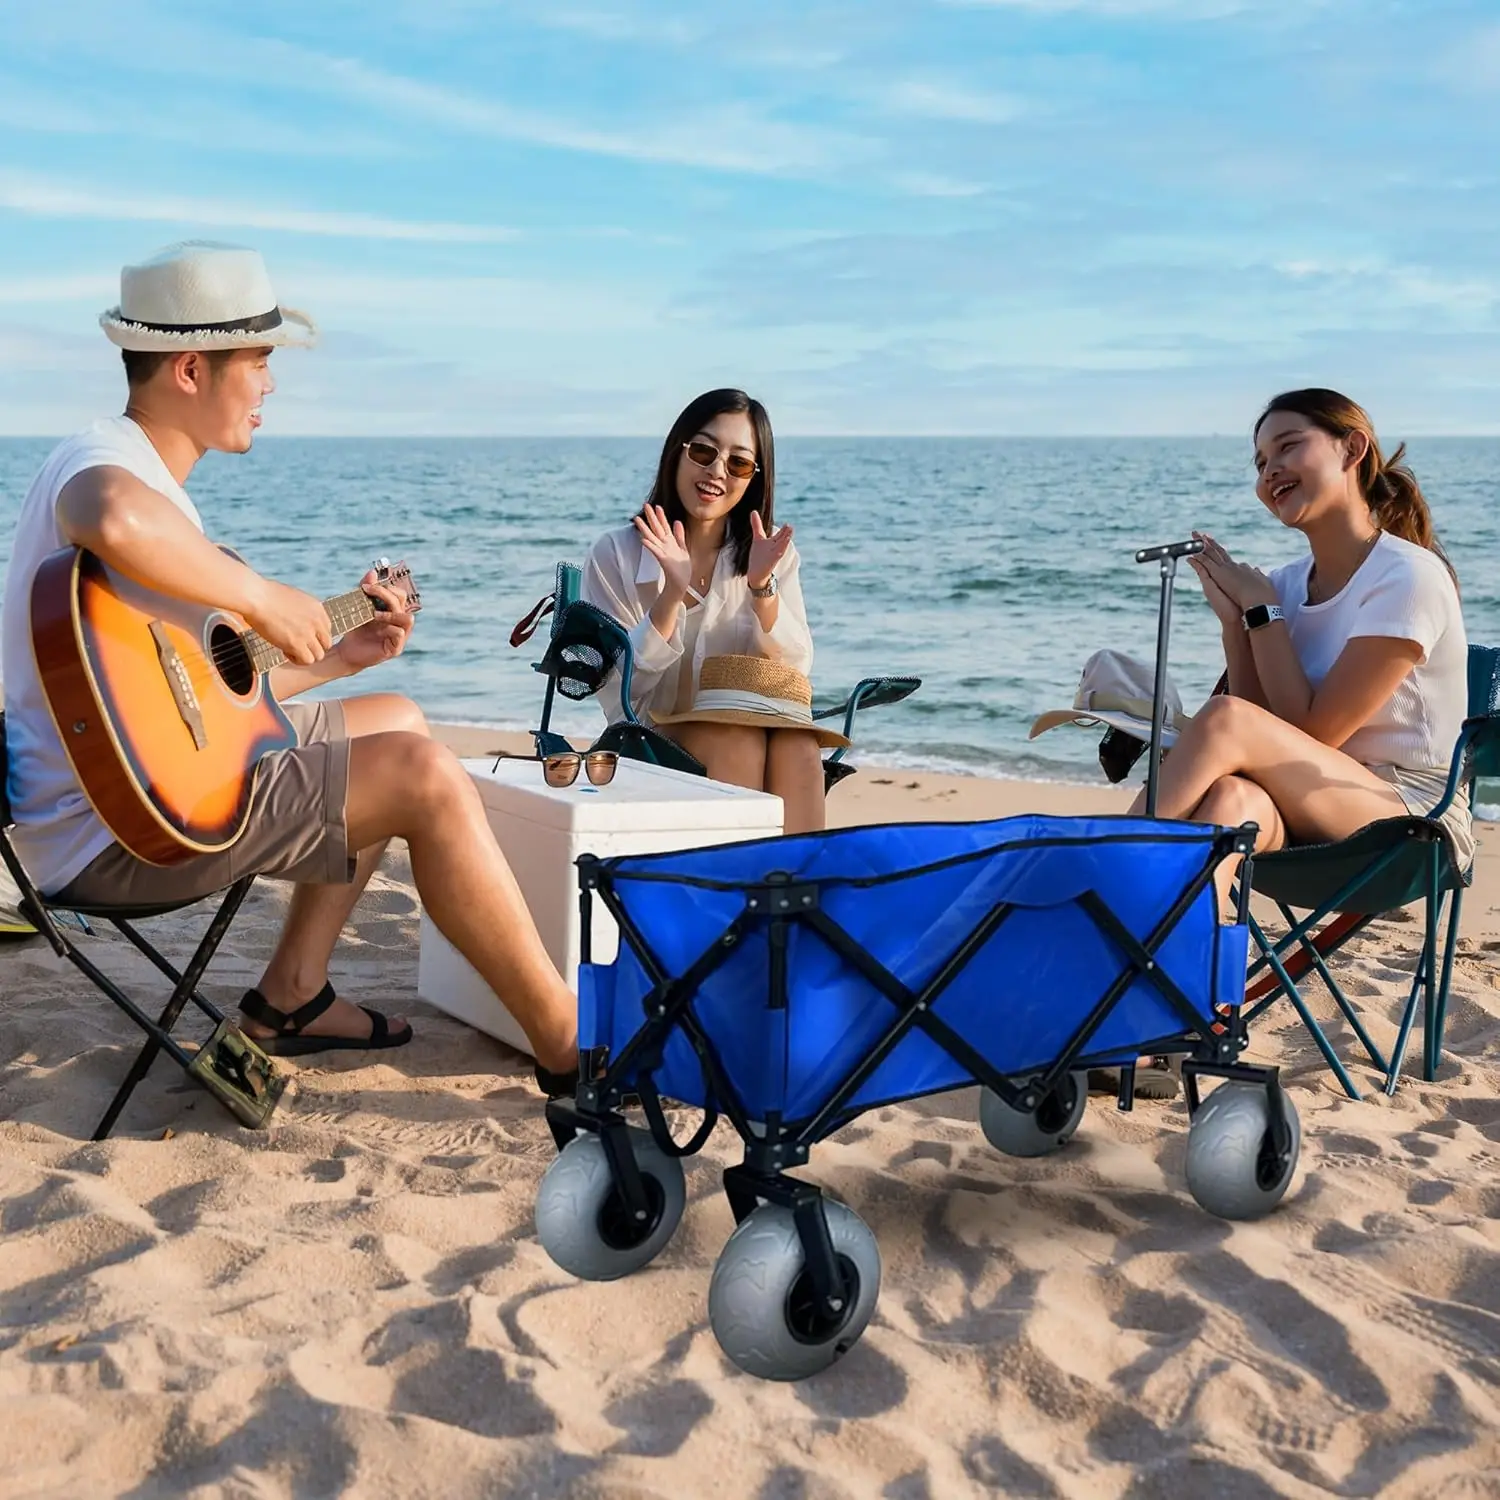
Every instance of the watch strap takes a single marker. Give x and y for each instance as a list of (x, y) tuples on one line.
[(1260, 615), (768, 592)]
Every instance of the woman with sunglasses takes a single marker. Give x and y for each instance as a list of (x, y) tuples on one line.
[(704, 571)]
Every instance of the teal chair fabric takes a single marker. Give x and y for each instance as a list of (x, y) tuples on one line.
[(1395, 862)]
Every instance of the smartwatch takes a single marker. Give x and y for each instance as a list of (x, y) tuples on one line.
[(1262, 614), (769, 592)]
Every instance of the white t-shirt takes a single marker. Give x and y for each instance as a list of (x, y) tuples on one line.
[(1405, 592), (57, 832)]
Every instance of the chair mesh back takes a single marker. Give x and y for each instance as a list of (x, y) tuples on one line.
[(586, 643), (581, 671), (1484, 681), (4, 778), (1484, 703), (567, 586)]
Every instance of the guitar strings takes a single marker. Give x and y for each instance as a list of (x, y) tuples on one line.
[(231, 652)]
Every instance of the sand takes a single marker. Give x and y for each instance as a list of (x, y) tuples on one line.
[(354, 1302)]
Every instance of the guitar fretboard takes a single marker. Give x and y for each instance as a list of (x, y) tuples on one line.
[(346, 612)]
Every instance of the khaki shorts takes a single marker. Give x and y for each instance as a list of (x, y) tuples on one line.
[(1421, 791), (295, 830)]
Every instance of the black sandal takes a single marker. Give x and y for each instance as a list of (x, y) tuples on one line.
[(1159, 1080), (287, 1040), (1156, 1080), (555, 1085)]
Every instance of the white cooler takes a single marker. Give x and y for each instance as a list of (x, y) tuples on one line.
[(542, 830)]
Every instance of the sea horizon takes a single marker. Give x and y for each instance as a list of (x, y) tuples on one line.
[(995, 565)]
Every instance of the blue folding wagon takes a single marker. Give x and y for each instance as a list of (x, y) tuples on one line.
[(791, 983)]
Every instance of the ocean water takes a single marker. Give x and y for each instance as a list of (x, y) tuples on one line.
[(990, 568)]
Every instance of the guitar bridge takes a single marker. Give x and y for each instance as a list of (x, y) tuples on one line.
[(175, 670)]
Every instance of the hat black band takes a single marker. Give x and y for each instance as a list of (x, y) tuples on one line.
[(260, 323)]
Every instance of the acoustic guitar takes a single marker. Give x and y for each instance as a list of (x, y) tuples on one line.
[(163, 706)]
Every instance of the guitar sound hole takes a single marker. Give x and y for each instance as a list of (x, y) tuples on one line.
[(232, 659)]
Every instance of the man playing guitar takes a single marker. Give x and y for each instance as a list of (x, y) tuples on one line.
[(197, 325)]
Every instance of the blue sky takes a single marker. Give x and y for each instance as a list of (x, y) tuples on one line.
[(882, 216)]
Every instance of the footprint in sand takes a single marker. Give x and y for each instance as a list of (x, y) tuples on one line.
[(658, 1419)]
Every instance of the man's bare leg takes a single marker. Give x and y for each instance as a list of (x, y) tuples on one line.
[(315, 920), (404, 785)]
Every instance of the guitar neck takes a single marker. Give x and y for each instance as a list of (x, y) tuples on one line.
[(346, 612)]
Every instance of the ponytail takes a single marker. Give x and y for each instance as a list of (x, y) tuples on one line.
[(1397, 504)]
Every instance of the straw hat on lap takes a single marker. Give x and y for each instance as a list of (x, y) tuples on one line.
[(757, 691)]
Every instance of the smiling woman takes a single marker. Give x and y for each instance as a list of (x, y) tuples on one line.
[(1347, 669), (703, 577)]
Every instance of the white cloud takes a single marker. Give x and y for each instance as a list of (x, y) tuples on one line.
[(1474, 64), (55, 200), (935, 185), (936, 99), (1465, 298), (1189, 10), (615, 26), (33, 291), (473, 307), (204, 123), (732, 139)]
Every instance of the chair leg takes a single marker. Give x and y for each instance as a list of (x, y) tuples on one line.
[(181, 994), (142, 946), (1424, 980), (1350, 1014), (1288, 984), (1329, 938), (1438, 1024)]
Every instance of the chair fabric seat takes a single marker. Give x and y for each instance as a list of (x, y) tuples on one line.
[(1306, 875), (1393, 863), (111, 913)]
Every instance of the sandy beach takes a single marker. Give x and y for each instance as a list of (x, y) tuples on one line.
[(354, 1301)]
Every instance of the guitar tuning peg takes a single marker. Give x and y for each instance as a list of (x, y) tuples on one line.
[(381, 564)]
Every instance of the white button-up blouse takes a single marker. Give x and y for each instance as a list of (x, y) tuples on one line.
[(622, 578)]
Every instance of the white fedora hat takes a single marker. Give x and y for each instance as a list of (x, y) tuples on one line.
[(202, 295), (1117, 690)]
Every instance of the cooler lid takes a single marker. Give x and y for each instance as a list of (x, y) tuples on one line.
[(641, 797)]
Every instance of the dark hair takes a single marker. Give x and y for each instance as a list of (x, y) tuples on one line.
[(1390, 488), (759, 493), (142, 364)]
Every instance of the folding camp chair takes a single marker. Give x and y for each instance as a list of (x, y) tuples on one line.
[(587, 644), (793, 983), (1390, 864), (229, 1065)]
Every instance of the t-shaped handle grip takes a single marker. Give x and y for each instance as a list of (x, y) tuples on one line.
[(1169, 549)]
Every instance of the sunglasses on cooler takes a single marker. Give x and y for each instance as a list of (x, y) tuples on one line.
[(562, 769), (705, 455)]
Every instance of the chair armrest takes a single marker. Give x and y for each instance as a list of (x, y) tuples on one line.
[(1478, 749), (870, 692)]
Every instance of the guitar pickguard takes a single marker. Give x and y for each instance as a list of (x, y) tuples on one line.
[(181, 685)]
